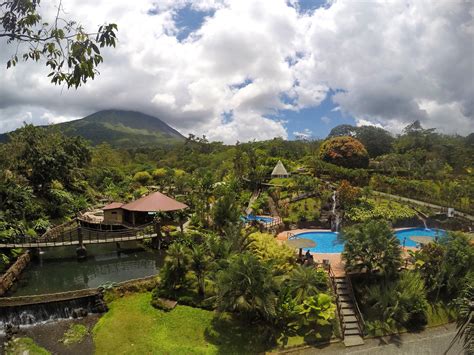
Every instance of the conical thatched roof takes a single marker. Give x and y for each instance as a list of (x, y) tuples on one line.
[(279, 170)]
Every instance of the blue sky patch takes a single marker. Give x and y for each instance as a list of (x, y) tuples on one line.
[(241, 85), (311, 5), (188, 20), (318, 120)]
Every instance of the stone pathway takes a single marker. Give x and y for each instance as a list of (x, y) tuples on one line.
[(433, 341)]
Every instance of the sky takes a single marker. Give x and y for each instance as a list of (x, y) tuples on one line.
[(239, 70)]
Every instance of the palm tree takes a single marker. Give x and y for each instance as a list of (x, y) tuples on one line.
[(247, 287), (401, 301), (200, 264), (465, 322), (371, 246), (173, 273), (239, 241), (157, 221), (180, 217), (305, 282)]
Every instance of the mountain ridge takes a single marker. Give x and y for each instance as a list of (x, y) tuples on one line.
[(120, 128)]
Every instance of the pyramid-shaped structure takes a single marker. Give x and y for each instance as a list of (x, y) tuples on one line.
[(279, 171)]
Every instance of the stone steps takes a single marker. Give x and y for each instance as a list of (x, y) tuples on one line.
[(351, 329), (353, 340)]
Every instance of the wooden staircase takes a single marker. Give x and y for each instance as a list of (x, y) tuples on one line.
[(352, 330), (350, 318)]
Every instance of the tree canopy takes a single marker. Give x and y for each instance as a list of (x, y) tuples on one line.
[(69, 51), (376, 140), (344, 151), (371, 246)]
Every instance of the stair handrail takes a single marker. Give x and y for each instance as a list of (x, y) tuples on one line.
[(358, 313), (332, 277)]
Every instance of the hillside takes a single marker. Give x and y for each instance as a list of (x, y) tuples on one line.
[(119, 128)]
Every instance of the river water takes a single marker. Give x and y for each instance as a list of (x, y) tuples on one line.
[(58, 270)]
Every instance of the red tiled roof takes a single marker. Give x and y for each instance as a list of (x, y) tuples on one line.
[(153, 203), (113, 206)]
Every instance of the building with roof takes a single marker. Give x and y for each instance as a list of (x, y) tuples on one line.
[(279, 171), (140, 211)]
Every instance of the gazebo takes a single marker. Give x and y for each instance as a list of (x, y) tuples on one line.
[(279, 171), (141, 211)]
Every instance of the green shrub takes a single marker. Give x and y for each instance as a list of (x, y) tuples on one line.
[(370, 209), (265, 247), (400, 302), (142, 177)]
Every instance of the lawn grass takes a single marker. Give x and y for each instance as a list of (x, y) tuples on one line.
[(75, 334), (20, 346), (133, 326)]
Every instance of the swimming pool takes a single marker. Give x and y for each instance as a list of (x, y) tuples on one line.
[(326, 242), (405, 234), (263, 219)]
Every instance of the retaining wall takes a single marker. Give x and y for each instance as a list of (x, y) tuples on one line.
[(73, 295)]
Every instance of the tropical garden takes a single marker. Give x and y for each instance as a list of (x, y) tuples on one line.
[(236, 286)]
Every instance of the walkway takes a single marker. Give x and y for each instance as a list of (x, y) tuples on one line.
[(422, 203), (433, 341), (71, 238)]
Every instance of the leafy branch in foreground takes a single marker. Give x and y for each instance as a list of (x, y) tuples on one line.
[(71, 53)]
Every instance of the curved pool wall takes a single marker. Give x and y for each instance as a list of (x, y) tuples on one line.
[(327, 242), (58, 270)]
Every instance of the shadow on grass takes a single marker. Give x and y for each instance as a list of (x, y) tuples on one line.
[(233, 335)]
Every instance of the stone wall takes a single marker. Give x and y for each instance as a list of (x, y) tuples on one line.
[(12, 274)]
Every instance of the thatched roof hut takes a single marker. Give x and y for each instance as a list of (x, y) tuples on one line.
[(279, 171)]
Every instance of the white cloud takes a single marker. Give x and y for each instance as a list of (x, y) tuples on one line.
[(361, 122), (50, 118), (325, 119), (306, 134), (389, 62)]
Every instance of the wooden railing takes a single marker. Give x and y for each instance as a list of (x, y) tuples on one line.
[(332, 278), (71, 234), (276, 221)]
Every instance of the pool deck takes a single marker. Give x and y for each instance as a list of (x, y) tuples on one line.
[(337, 264), (335, 259)]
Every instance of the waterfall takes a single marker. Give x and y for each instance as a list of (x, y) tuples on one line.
[(45, 312), (336, 220), (334, 202), (426, 225)]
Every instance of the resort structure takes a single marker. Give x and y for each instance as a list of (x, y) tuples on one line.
[(140, 211), (279, 171)]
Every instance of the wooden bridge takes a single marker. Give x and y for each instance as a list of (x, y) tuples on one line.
[(72, 234)]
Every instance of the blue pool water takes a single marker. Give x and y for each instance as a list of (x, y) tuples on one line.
[(263, 219), (326, 242), (405, 234)]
